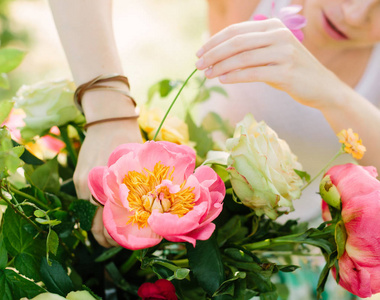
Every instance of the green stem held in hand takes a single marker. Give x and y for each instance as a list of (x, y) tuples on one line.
[(171, 105)]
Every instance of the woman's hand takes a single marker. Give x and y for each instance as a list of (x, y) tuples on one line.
[(266, 51), (100, 141)]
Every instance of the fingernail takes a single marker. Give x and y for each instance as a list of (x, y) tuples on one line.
[(200, 52), (199, 63), (208, 72), (222, 78)]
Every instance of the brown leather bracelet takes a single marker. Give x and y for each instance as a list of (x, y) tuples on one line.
[(109, 120), (93, 84)]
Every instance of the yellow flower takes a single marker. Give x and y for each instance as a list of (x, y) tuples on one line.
[(173, 130), (351, 143)]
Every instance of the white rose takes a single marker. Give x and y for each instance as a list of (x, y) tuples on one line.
[(261, 168), (47, 104)]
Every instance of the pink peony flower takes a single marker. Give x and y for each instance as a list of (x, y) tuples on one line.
[(150, 192), (359, 266), (161, 289), (290, 17)]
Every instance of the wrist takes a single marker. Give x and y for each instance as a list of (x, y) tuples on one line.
[(99, 104)]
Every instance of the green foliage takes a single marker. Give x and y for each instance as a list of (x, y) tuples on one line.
[(206, 264), (55, 278), (14, 286), (85, 212), (10, 59), (5, 108), (46, 178)]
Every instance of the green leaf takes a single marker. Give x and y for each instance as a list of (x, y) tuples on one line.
[(228, 287), (23, 246), (4, 82), (163, 87), (10, 59), (46, 177), (238, 255), (3, 253), (55, 278), (39, 213), (109, 253), (206, 263), (85, 212), (28, 157), (48, 222), (229, 229), (5, 109), (52, 242), (340, 238), (14, 286), (219, 90), (213, 122), (304, 175), (181, 273), (200, 136)]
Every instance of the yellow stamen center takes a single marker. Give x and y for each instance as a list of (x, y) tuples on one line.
[(145, 194)]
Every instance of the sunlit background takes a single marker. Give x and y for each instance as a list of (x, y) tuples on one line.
[(156, 39)]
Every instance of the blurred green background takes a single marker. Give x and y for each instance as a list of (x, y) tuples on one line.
[(156, 39)]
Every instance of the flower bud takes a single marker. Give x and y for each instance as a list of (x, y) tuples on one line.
[(329, 192)]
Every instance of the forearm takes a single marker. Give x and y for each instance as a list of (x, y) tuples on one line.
[(351, 110), (222, 13), (86, 33)]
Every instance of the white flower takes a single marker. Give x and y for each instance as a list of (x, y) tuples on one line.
[(261, 168), (47, 104)]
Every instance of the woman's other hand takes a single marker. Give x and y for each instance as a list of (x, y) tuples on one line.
[(267, 51)]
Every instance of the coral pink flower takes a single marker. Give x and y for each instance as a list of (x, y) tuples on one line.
[(359, 266), (161, 289), (290, 17), (15, 121), (150, 192), (52, 143)]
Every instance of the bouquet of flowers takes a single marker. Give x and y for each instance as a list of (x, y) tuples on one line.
[(192, 221), (194, 218)]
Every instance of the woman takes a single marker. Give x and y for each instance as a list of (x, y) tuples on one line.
[(85, 28), (307, 92)]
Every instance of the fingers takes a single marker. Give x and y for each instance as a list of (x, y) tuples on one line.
[(239, 29), (268, 74), (243, 60), (99, 232)]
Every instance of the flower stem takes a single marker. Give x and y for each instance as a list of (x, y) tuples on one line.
[(29, 197), (171, 105), (130, 262), (17, 211), (69, 146), (323, 169)]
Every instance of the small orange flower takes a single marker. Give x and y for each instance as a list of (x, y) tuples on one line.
[(351, 143)]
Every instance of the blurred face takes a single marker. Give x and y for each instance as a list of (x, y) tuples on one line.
[(343, 23)]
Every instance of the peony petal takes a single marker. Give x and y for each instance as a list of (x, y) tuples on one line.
[(298, 34), (123, 165), (294, 22), (95, 184), (123, 150), (363, 244), (353, 278), (180, 157), (167, 224), (129, 236), (259, 17), (289, 10)]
